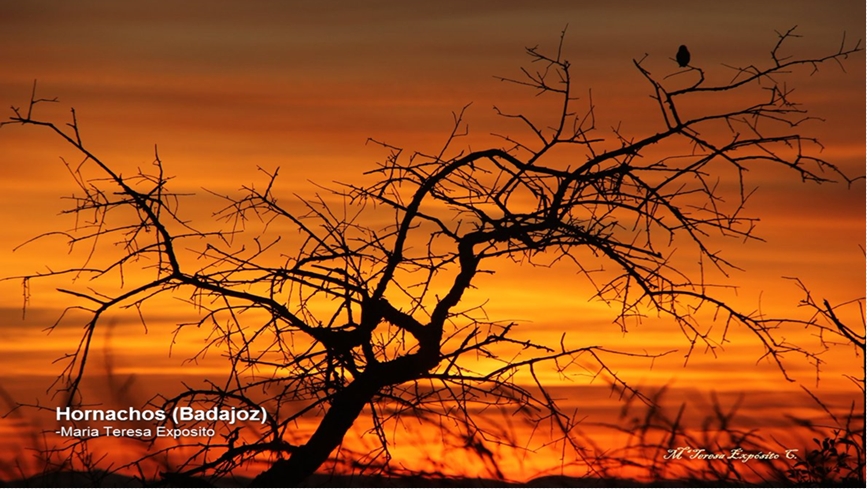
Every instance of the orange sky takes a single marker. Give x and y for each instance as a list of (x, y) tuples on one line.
[(224, 87)]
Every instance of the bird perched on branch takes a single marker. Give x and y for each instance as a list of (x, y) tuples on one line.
[(682, 56)]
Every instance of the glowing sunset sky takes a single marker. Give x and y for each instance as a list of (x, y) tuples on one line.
[(225, 87)]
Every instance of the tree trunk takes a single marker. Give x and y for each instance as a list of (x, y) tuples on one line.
[(304, 461), (345, 408)]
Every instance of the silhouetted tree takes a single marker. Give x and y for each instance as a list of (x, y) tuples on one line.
[(364, 316)]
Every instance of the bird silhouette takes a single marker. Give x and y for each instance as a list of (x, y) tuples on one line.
[(682, 56)]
